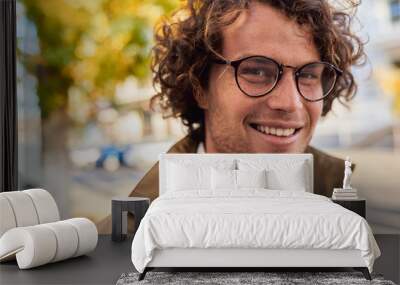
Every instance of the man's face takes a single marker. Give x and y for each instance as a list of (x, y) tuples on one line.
[(231, 117)]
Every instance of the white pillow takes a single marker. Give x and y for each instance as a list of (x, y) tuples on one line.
[(182, 177), (187, 174), (227, 179), (223, 179), (281, 180), (282, 174), (251, 178)]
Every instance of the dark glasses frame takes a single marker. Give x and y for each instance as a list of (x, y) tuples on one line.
[(297, 70)]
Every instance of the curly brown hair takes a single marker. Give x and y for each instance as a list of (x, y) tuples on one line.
[(186, 43)]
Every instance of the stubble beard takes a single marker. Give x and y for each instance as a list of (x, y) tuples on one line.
[(228, 139), (225, 138)]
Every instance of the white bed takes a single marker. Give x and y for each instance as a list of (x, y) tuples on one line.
[(202, 220)]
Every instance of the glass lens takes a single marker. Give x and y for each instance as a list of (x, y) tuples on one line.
[(316, 80), (257, 75)]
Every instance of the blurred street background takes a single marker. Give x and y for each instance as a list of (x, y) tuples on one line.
[(86, 132)]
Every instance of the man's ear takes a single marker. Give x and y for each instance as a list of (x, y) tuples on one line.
[(201, 98)]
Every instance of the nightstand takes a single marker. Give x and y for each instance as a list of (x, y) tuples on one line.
[(358, 206), (120, 206)]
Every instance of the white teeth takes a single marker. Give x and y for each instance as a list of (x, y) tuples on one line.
[(287, 132), (276, 131)]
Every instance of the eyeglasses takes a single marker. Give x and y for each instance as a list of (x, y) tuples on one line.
[(258, 75)]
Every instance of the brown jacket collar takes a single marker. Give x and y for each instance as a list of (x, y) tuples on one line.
[(328, 171)]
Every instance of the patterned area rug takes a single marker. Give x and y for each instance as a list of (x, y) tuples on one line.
[(269, 278)]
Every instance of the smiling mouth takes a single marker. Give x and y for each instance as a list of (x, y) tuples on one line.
[(276, 132)]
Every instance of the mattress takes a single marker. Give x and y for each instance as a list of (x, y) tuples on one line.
[(250, 219)]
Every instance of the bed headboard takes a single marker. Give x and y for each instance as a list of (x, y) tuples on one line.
[(244, 159)]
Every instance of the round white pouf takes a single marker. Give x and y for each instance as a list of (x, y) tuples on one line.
[(67, 239), (87, 233), (33, 246), (7, 218), (45, 205), (23, 208), (40, 244)]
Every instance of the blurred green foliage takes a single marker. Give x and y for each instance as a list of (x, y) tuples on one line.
[(91, 45)]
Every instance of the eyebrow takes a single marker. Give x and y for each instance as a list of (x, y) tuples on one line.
[(246, 54)]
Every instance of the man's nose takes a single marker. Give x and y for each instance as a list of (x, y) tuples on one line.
[(285, 96)]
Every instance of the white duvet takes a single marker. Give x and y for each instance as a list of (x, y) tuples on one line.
[(250, 219)]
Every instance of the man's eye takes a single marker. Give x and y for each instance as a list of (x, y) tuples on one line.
[(257, 75), (254, 71), (308, 75)]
